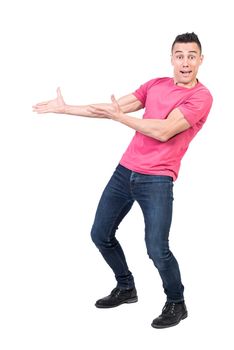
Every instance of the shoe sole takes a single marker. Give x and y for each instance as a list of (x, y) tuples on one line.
[(128, 301), (171, 325)]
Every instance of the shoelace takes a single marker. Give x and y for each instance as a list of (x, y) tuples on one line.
[(169, 308)]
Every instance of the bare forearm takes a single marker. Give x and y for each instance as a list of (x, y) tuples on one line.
[(159, 129), (83, 110), (127, 104), (150, 127)]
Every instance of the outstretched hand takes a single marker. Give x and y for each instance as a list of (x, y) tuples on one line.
[(52, 106), (112, 111)]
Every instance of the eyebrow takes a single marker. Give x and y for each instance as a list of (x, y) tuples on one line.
[(178, 51)]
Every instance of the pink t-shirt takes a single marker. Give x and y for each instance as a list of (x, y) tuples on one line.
[(159, 97)]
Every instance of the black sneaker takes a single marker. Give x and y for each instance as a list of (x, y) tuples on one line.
[(117, 297), (171, 315)]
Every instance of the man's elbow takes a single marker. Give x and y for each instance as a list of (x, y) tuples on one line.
[(161, 136), (165, 135), (164, 139)]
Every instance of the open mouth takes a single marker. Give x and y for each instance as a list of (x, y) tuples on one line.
[(187, 72)]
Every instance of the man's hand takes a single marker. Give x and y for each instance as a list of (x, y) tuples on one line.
[(112, 111), (53, 106)]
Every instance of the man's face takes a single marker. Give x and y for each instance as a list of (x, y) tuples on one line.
[(186, 59)]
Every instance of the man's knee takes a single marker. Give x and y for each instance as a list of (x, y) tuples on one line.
[(95, 235), (100, 237), (160, 256)]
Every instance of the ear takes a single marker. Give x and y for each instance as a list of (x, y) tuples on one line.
[(201, 59), (172, 63)]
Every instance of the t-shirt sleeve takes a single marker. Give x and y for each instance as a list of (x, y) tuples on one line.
[(141, 92), (197, 107)]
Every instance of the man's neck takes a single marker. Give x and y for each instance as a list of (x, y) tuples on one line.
[(189, 85)]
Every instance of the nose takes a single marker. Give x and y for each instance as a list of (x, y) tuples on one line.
[(185, 62)]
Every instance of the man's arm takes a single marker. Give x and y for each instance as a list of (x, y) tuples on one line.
[(128, 103), (159, 129)]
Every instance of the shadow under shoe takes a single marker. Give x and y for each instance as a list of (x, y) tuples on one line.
[(117, 297), (171, 315)]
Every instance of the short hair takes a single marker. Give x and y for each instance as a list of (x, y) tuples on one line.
[(187, 38)]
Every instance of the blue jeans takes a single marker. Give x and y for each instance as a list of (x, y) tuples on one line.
[(154, 194)]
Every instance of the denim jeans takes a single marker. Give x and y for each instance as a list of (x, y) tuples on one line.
[(154, 193)]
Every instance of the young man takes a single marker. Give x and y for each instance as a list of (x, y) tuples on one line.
[(175, 110)]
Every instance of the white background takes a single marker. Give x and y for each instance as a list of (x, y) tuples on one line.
[(54, 168)]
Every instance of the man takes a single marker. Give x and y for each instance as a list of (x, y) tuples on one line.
[(175, 110)]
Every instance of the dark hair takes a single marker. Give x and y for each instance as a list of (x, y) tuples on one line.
[(187, 38)]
